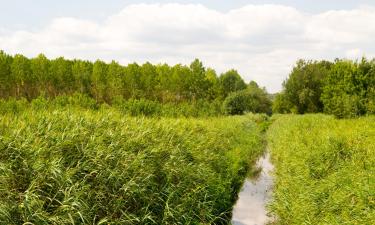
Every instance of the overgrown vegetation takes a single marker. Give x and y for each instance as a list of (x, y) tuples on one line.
[(98, 143), (77, 166), (132, 107), (342, 88), (324, 170)]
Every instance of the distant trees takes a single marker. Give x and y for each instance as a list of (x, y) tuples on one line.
[(6, 79), (231, 81), (252, 99), (343, 88), (303, 88), (105, 82), (349, 88)]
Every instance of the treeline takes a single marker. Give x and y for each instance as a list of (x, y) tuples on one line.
[(343, 88), (21, 77)]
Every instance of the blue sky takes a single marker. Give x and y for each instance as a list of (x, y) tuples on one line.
[(262, 39)]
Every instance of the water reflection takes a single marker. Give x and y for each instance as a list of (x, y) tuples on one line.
[(250, 208)]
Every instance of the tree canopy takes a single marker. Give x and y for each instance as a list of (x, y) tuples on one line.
[(22, 77), (344, 88)]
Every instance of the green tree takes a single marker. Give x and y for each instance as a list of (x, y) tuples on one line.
[(213, 84), (348, 88), (230, 82), (303, 88), (21, 73), (197, 80), (40, 69), (253, 99), (6, 80), (281, 104), (81, 71), (259, 100), (99, 81), (61, 77), (115, 75), (148, 78)]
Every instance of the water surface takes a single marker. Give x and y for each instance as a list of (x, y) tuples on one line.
[(250, 208)]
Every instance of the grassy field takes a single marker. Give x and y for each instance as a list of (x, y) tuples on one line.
[(75, 166), (325, 170)]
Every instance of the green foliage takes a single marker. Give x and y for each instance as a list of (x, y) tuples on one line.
[(253, 99), (259, 99), (132, 107), (343, 88), (145, 86), (281, 104), (236, 103), (231, 81), (349, 88), (80, 166), (303, 88), (324, 170)]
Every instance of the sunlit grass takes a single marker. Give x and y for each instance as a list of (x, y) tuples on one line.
[(325, 170), (75, 166)]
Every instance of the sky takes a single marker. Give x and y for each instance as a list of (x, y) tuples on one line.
[(261, 39)]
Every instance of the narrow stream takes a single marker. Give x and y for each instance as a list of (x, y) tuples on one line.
[(250, 208)]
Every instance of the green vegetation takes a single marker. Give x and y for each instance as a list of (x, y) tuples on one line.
[(325, 170), (99, 143), (132, 107), (79, 166), (342, 88), (253, 99), (21, 77)]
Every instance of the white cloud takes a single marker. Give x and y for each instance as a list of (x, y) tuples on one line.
[(261, 41)]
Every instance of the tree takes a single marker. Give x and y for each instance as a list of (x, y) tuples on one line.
[(281, 104), (99, 81), (148, 77), (236, 103), (6, 80), (40, 69), (347, 90), (303, 87), (115, 73), (81, 71), (230, 82), (253, 99), (197, 79), (21, 73), (61, 77), (259, 101), (213, 84)]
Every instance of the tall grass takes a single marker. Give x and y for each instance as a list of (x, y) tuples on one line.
[(131, 107), (325, 170), (81, 166)]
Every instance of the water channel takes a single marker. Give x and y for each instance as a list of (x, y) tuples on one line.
[(250, 208)]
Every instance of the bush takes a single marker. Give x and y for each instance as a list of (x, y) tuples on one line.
[(253, 100), (236, 103)]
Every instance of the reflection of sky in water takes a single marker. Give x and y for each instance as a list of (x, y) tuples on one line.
[(250, 207)]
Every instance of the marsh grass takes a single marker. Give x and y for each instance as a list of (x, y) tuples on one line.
[(325, 170), (79, 166)]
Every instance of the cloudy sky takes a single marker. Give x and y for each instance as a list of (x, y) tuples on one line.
[(261, 39)]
